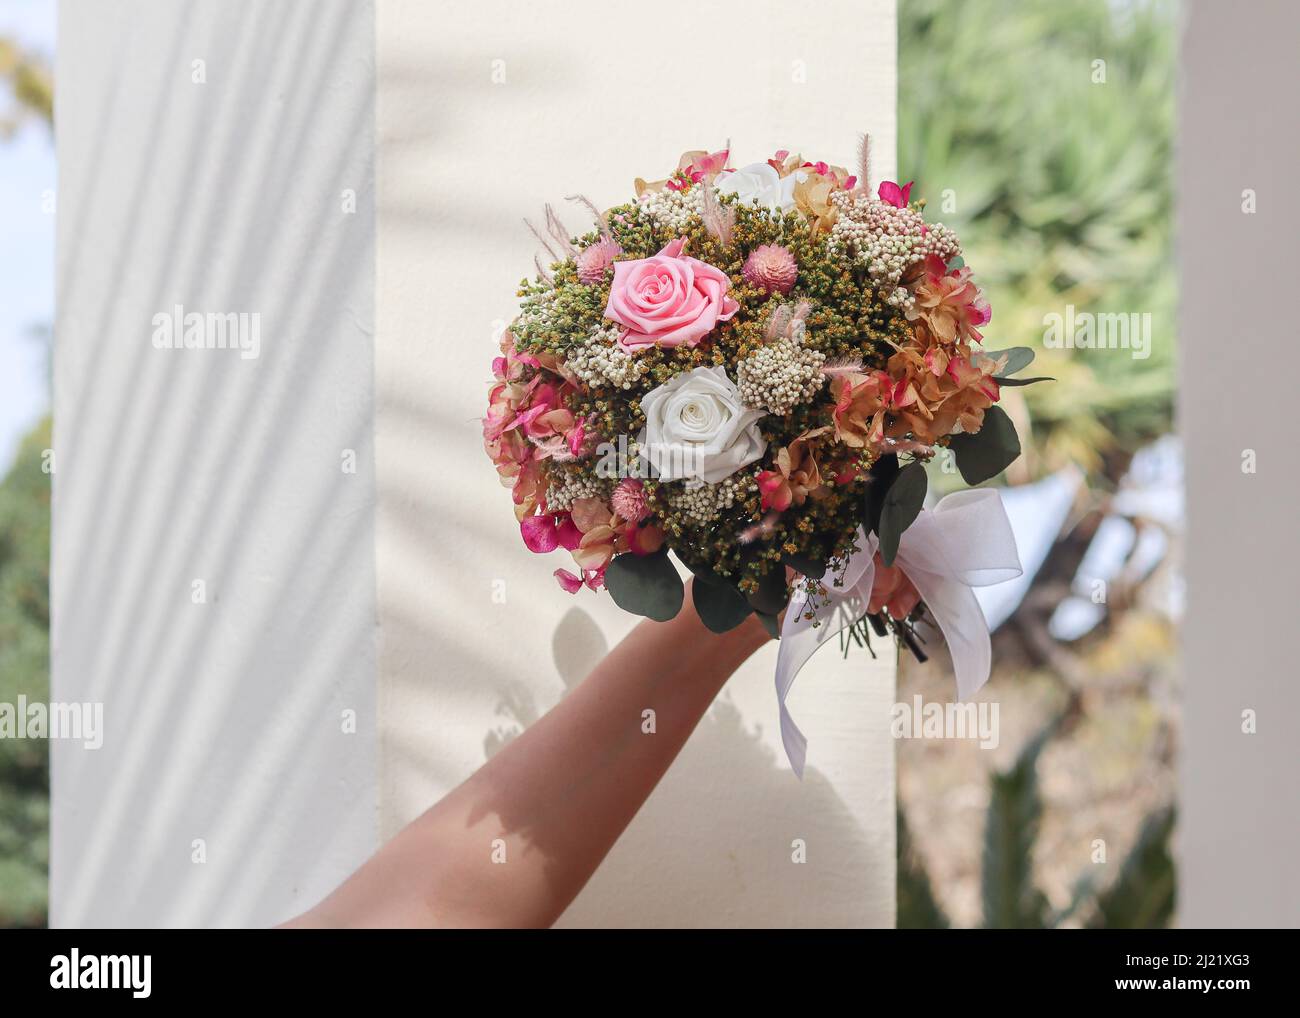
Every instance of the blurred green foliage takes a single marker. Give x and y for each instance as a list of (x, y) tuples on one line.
[(1043, 132), (25, 669), (28, 95)]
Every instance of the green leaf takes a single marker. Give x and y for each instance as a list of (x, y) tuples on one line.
[(988, 451), (882, 475), (805, 564), (645, 585), (771, 623), (1003, 380), (1011, 900), (771, 595), (957, 263), (902, 503), (1018, 358), (1142, 896), (720, 605)]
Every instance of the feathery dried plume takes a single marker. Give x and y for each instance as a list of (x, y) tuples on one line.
[(719, 221), (602, 223), (537, 262), (541, 239), (864, 164), (776, 325), (557, 230), (764, 529), (906, 445), (843, 366)]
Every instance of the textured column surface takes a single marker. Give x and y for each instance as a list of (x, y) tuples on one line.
[(213, 553), (1239, 834)]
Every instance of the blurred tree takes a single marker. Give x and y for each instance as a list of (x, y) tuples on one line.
[(31, 87), (1042, 131), (25, 670), (24, 586)]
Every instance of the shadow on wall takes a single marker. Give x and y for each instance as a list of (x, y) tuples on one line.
[(215, 452), (730, 784)]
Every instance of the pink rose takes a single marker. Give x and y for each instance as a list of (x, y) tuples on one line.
[(668, 300)]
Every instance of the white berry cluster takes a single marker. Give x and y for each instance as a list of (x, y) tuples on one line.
[(902, 298), (885, 240), (599, 360), (703, 503), (780, 375), (536, 310), (672, 209), (563, 493)]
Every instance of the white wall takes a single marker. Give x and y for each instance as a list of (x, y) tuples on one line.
[(594, 95), (223, 718)]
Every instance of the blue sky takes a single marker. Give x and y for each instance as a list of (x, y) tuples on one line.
[(27, 170)]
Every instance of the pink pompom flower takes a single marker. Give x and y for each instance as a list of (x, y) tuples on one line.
[(594, 261), (771, 268)]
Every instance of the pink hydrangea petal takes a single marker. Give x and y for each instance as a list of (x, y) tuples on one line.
[(893, 194), (567, 534), (568, 581), (539, 534), (644, 540)]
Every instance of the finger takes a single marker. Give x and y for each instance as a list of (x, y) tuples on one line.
[(904, 601)]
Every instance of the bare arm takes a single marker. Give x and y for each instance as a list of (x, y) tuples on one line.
[(557, 797)]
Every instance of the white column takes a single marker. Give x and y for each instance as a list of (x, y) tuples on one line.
[(204, 154), (486, 111), (1239, 834)]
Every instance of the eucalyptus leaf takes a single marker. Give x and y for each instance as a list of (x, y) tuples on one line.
[(645, 585), (1018, 358), (988, 451), (881, 477), (771, 595), (805, 564), (770, 623), (720, 605), (1003, 380), (902, 503)]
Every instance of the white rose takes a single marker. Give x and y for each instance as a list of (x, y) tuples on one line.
[(697, 429), (760, 182)]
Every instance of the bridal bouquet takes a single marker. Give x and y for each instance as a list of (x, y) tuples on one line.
[(750, 367)]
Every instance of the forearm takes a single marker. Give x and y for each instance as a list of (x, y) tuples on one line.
[(515, 843)]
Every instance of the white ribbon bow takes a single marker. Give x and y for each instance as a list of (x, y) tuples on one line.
[(964, 542)]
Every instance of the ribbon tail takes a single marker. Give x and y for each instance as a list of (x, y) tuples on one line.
[(800, 640), (955, 607), (796, 649)]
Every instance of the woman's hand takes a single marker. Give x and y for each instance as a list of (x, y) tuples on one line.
[(893, 591)]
